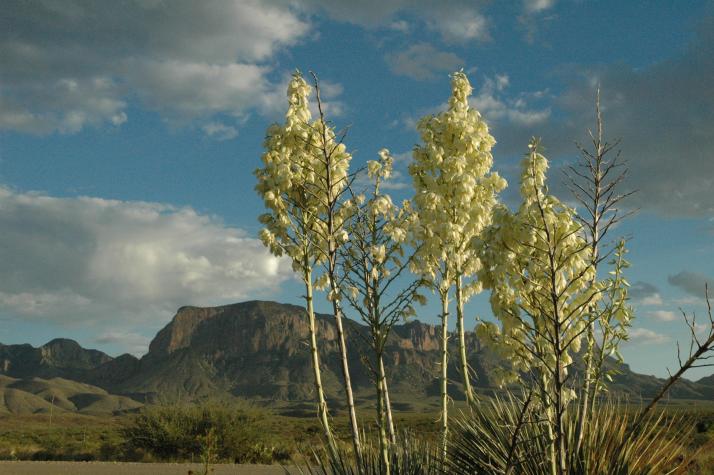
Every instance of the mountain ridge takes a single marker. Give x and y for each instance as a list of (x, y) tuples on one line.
[(257, 350)]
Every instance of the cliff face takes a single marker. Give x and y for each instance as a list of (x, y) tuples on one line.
[(259, 349)]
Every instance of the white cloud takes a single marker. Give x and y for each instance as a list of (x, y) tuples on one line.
[(63, 105), (421, 61), (220, 131), (663, 315), (105, 262), (402, 157), (398, 181), (492, 101), (688, 300), (184, 90), (652, 300), (535, 6), (75, 64), (454, 20), (459, 25), (132, 342), (644, 336)]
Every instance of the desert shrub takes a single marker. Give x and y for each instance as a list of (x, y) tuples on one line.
[(179, 432)]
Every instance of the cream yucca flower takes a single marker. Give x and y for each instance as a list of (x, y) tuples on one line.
[(288, 182), (373, 168), (455, 193), (537, 265), (284, 180), (371, 261)]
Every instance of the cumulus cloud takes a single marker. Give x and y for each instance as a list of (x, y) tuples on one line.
[(72, 64), (422, 61), (645, 293), (663, 315), (183, 90), (645, 336), (690, 282), (132, 342), (76, 260), (220, 131), (535, 6), (494, 103), (454, 20)]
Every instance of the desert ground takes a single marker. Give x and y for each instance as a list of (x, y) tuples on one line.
[(126, 468)]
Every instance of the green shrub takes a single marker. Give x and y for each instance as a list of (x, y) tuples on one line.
[(179, 432)]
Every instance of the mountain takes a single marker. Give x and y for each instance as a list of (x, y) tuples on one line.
[(259, 350), (60, 357)]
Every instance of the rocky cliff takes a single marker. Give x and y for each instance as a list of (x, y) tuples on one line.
[(259, 349)]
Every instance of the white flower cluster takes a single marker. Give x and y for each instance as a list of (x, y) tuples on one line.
[(292, 182), (454, 191), (538, 267)]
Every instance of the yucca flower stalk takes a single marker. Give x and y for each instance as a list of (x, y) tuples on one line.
[(285, 183), (614, 320), (303, 184), (454, 193), (539, 270), (595, 181), (374, 259), (330, 166)]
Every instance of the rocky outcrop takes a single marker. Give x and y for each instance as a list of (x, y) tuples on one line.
[(259, 349)]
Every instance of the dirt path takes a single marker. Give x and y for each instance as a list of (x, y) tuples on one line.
[(122, 468)]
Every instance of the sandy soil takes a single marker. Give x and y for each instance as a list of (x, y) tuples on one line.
[(122, 468)]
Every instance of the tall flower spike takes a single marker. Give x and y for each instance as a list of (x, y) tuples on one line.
[(455, 193)]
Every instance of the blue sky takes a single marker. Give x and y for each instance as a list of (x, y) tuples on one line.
[(129, 132)]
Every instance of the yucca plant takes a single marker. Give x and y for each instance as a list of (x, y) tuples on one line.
[(609, 447), (408, 456), (502, 435), (508, 435)]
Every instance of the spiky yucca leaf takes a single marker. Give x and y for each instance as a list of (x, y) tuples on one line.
[(608, 447), (502, 435), (408, 456), (507, 435)]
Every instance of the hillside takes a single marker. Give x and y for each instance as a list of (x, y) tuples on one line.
[(258, 350), (58, 395)]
